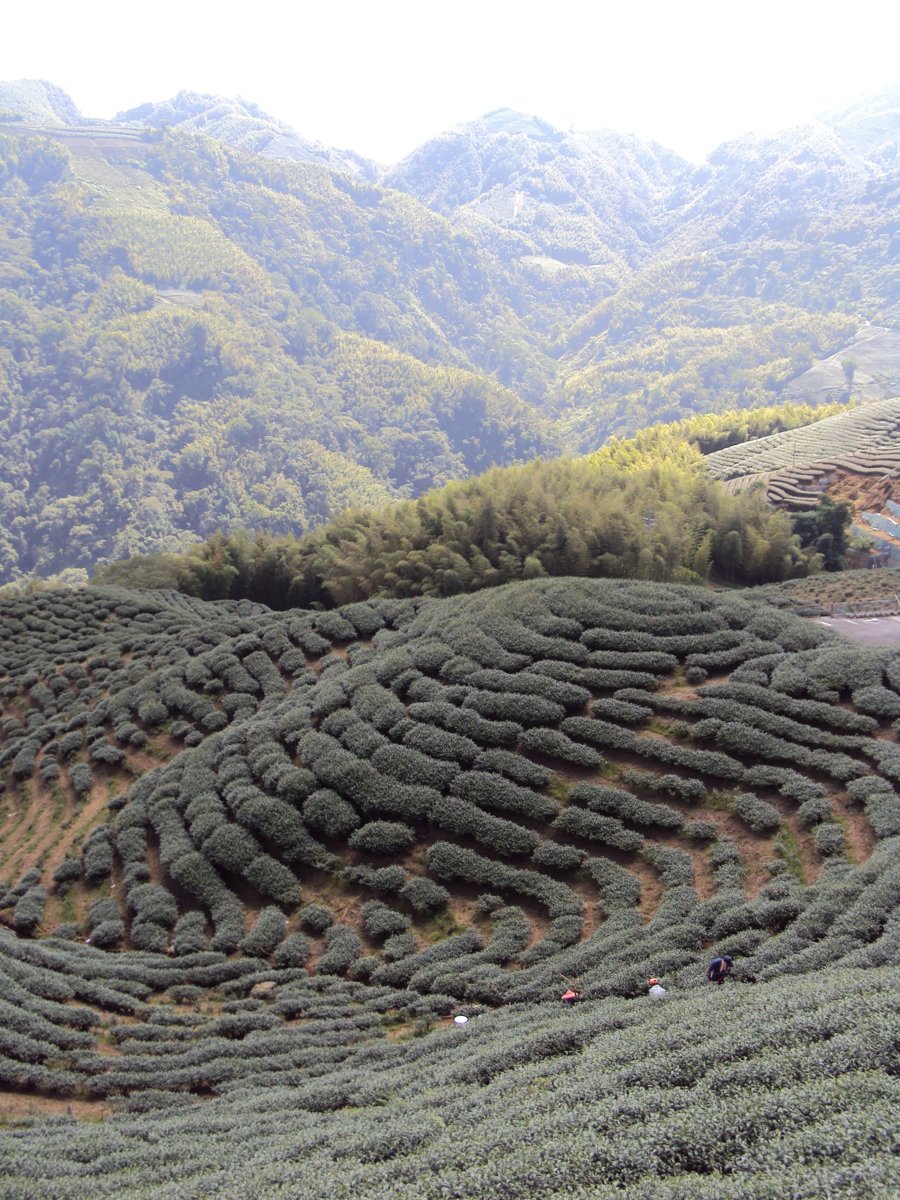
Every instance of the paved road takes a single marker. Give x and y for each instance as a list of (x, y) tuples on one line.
[(871, 631)]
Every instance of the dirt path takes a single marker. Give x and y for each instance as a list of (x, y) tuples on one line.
[(33, 820), (651, 888), (17, 1108), (861, 839), (87, 817)]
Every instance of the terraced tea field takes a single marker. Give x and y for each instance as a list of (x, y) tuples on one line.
[(847, 441), (297, 843)]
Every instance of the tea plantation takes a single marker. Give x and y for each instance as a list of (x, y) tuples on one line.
[(253, 863)]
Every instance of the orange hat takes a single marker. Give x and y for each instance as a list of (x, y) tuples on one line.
[(652, 981)]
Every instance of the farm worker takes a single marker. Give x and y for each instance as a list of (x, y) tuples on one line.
[(719, 968), (569, 996), (655, 989)]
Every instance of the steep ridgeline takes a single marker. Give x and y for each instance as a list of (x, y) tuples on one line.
[(196, 333), (720, 280), (242, 125), (312, 836), (174, 359)]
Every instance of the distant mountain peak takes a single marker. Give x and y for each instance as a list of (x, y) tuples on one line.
[(38, 102), (508, 120), (242, 124)]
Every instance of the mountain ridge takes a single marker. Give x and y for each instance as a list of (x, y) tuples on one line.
[(161, 281)]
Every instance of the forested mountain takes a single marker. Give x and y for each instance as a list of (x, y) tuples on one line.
[(196, 337), (241, 124)]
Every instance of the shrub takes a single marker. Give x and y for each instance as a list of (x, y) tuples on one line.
[(190, 933), (342, 947), (281, 825), (378, 706), (272, 878), (461, 817), (398, 946), (829, 839), (148, 936), (621, 711), (724, 851), (440, 743), (492, 791), (424, 895), (758, 814), (382, 837), (531, 683), (293, 951), (231, 847), (29, 910), (81, 779), (315, 917), (618, 888), (267, 932), (554, 744), (517, 768), (597, 828), (67, 872), (556, 857), (381, 879), (812, 812), (599, 733), (105, 752), (470, 724), (706, 831), (379, 921), (131, 843), (516, 707), (330, 814), (108, 934), (412, 766), (883, 812), (449, 861), (97, 856), (618, 803), (675, 866), (153, 902)]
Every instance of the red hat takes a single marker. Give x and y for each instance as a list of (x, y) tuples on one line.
[(652, 981)]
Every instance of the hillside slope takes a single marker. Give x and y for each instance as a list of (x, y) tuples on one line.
[(160, 377), (317, 836), (194, 336)]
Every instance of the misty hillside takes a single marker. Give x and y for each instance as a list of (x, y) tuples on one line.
[(197, 333)]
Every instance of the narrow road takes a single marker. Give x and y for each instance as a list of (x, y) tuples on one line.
[(870, 631)]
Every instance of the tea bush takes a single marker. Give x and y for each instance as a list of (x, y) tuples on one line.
[(381, 837)]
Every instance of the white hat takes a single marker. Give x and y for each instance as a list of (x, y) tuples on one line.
[(460, 1020)]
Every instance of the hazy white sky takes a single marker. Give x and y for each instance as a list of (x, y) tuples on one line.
[(382, 76)]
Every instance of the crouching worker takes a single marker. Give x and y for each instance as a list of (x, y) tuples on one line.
[(570, 996), (719, 969), (655, 989)]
